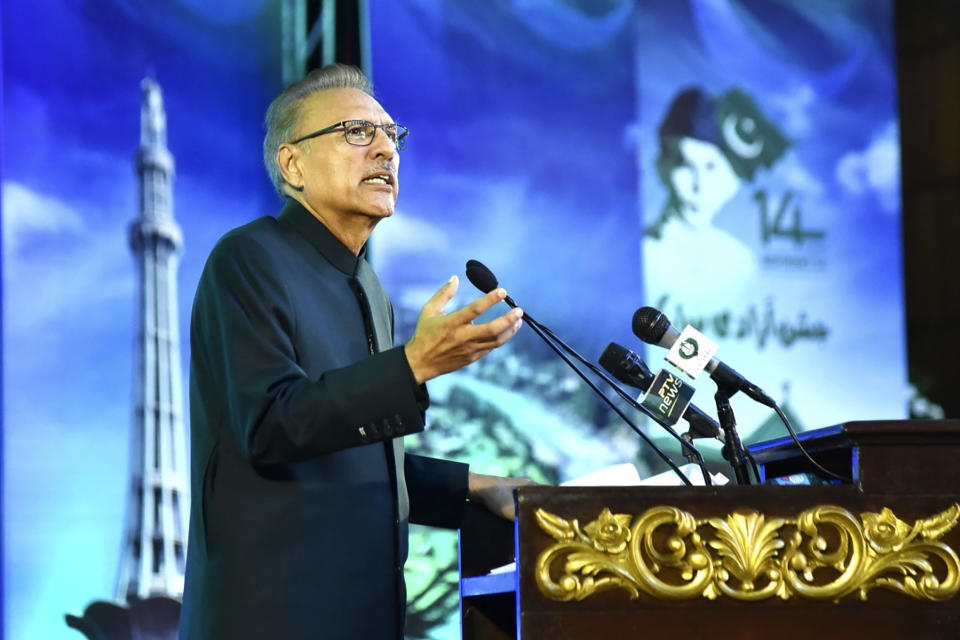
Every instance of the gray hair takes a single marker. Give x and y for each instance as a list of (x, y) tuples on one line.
[(283, 114)]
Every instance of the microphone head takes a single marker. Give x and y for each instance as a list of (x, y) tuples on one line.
[(612, 356), (481, 277), (626, 366), (650, 325)]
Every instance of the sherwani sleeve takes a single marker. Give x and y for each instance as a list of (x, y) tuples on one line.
[(243, 337), (438, 490)]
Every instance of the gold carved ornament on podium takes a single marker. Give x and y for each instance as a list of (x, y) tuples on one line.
[(824, 553)]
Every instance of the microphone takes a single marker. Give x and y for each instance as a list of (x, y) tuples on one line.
[(653, 327), (627, 367), (483, 279)]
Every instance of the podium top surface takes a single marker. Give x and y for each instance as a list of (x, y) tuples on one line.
[(892, 455), (861, 432)]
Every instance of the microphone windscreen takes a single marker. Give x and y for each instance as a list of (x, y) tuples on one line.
[(650, 324), (612, 356), (481, 277)]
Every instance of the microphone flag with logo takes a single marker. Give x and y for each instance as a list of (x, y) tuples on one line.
[(692, 352), (668, 397)]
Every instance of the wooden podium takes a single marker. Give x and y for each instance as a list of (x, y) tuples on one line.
[(875, 558)]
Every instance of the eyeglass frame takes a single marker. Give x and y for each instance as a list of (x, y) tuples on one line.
[(399, 143)]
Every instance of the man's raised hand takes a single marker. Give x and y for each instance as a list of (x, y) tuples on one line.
[(444, 342)]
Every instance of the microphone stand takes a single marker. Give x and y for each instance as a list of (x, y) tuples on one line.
[(728, 423), (691, 453)]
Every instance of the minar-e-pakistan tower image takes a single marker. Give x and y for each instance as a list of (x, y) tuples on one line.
[(153, 555)]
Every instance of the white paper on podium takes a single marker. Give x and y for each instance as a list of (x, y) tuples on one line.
[(618, 475), (626, 475), (690, 470)]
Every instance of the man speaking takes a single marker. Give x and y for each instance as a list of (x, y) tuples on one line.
[(301, 491)]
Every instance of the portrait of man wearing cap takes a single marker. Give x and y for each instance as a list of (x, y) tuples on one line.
[(709, 148)]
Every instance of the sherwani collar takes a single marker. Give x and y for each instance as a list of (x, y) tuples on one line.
[(320, 237)]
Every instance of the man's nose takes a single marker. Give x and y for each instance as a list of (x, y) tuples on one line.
[(382, 146)]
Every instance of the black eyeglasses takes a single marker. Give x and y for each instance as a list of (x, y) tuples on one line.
[(360, 133)]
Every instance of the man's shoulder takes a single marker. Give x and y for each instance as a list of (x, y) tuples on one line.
[(261, 236), (258, 229), (251, 257), (252, 248)]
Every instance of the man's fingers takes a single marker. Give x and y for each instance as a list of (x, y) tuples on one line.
[(498, 331), (445, 342), (474, 309), (443, 295), (499, 325)]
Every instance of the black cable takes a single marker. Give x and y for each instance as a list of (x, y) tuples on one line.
[(793, 434), (753, 464)]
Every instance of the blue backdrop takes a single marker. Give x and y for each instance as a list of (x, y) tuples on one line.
[(734, 163)]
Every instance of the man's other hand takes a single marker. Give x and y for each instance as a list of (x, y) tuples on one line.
[(444, 342), (495, 492)]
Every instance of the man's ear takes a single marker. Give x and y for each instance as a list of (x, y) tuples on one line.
[(288, 159)]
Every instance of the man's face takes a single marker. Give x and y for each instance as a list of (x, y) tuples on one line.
[(705, 182), (340, 179)]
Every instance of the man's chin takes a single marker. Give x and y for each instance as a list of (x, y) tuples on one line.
[(382, 209), (379, 213)]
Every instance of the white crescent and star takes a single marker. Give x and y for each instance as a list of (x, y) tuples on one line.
[(736, 142)]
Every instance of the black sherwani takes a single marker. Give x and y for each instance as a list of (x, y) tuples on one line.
[(299, 481)]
